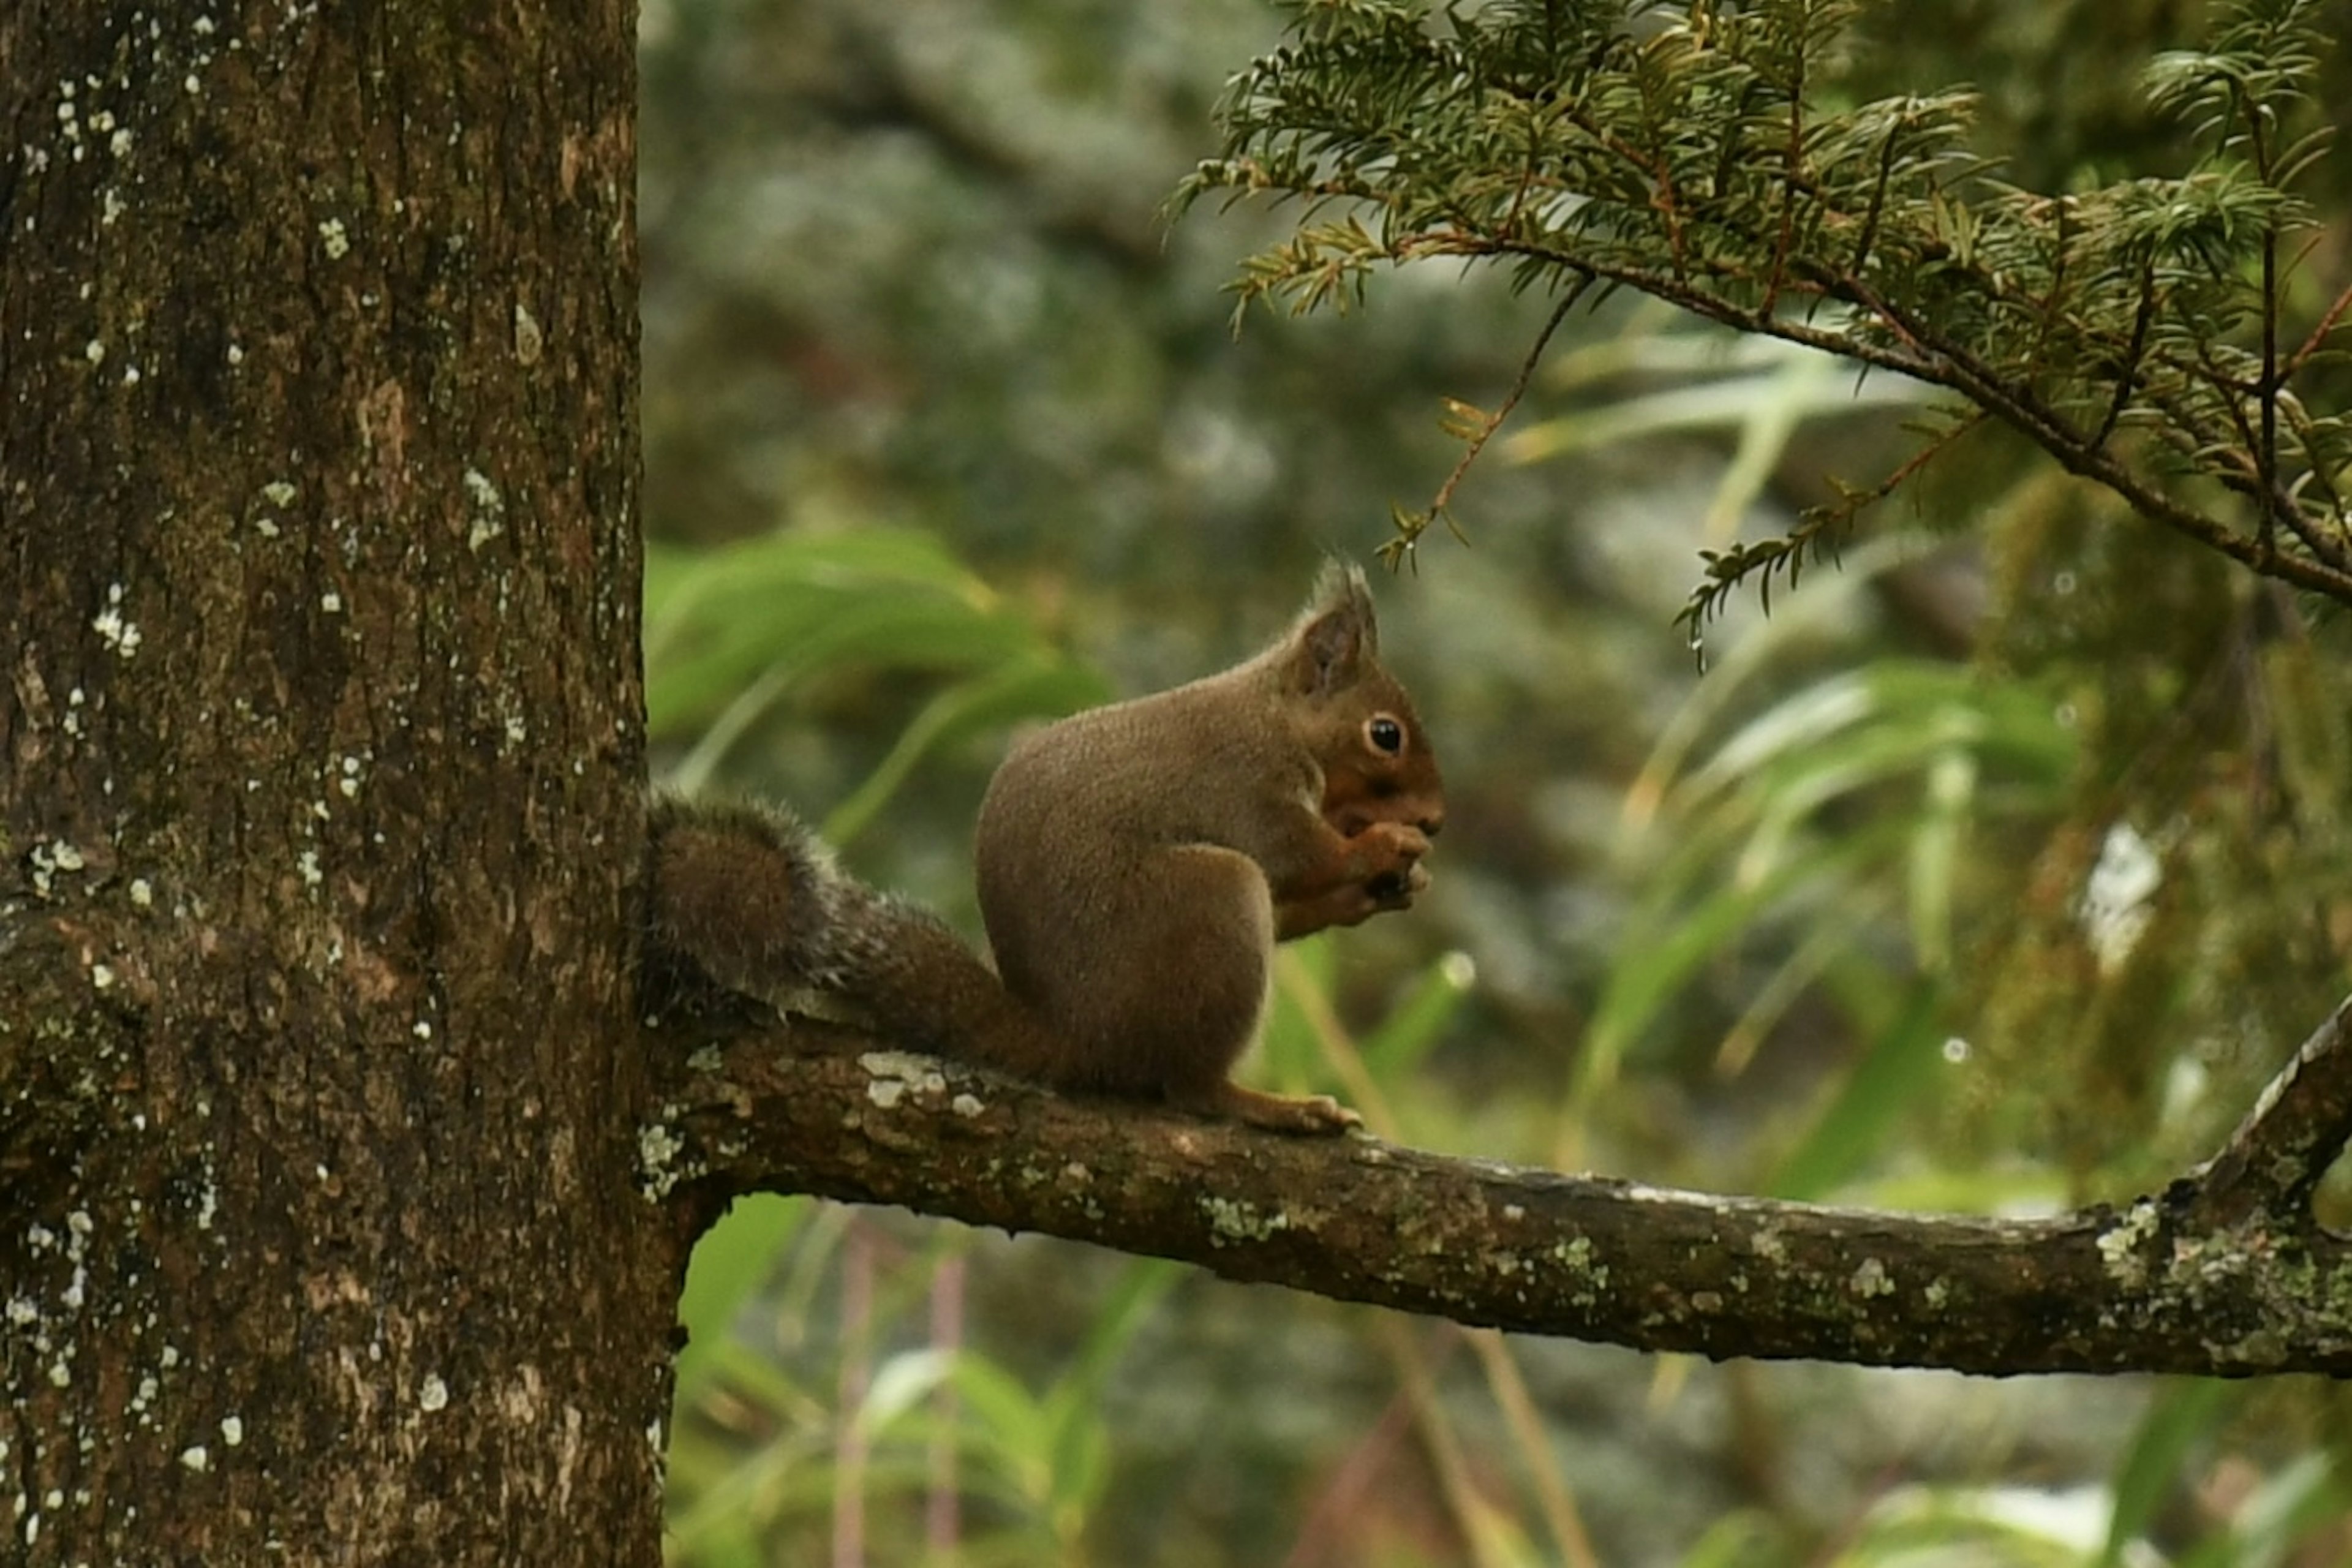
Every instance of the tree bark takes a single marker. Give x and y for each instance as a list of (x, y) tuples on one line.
[(322, 740)]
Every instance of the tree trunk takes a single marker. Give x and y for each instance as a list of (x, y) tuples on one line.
[(322, 740)]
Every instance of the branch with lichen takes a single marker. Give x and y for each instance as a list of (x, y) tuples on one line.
[(2224, 1273)]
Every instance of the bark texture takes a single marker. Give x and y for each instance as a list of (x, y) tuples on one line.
[(321, 740), (2211, 1276)]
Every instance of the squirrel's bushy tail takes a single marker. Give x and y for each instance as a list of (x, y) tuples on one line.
[(756, 900)]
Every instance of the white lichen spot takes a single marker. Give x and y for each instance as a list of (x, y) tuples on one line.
[(308, 865), (432, 1394), (1514, 1212), (331, 601), (278, 493), (21, 1312), (117, 633), (528, 340), (101, 975), (94, 352), (490, 509), (143, 893), (235, 355), (896, 1073), (339, 244), (131, 375), (196, 1457), (65, 857), (658, 1146), (110, 206), (266, 526), (1232, 1221), (189, 84), (1870, 1278), (232, 1430), (422, 1028), (517, 730), (60, 1374), (120, 143), (2122, 1249), (966, 1105)]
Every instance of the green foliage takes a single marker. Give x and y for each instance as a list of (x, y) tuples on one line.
[(1818, 925), (730, 1263), (731, 632), (1843, 810), (1701, 154)]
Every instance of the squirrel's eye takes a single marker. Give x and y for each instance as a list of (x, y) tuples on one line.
[(1385, 735)]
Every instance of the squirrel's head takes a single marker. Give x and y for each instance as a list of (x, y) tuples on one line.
[(1377, 765)]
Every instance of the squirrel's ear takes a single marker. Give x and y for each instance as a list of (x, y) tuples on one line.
[(1338, 636)]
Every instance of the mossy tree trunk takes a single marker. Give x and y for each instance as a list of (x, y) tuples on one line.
[(322, 730)]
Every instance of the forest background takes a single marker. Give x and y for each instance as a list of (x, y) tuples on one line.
[(1993, 870)]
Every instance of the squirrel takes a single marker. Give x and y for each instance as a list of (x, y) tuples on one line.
[(1137, 864)]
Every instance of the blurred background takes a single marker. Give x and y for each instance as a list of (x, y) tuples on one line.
[(1993, 870)]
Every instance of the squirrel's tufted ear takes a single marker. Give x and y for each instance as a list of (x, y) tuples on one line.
[(1336, 636)]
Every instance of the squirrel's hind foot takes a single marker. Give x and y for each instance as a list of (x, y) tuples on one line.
[(1315, 1114)]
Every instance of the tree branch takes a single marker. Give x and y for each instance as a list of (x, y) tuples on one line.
[(2223, 1274), (2296, 1129)]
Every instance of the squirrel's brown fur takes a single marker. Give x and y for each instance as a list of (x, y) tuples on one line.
[(1137, 864)]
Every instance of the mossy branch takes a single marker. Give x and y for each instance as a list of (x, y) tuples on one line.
[(2224, 1273)]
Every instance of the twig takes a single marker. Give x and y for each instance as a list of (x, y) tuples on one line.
[(2138, 345), (2298, 1125), (1494, 422), (2266, 453), (2310, 345)]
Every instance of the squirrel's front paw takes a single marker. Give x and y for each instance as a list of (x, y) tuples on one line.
[(1389, 856), (1379, 869)]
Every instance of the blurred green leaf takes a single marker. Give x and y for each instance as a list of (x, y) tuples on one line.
[(1420, 1017), (728, 1264), (1031, 683), (2184, 1415), (1900, 1063), (2306, 1497), (731, 632), (901, 1383)]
